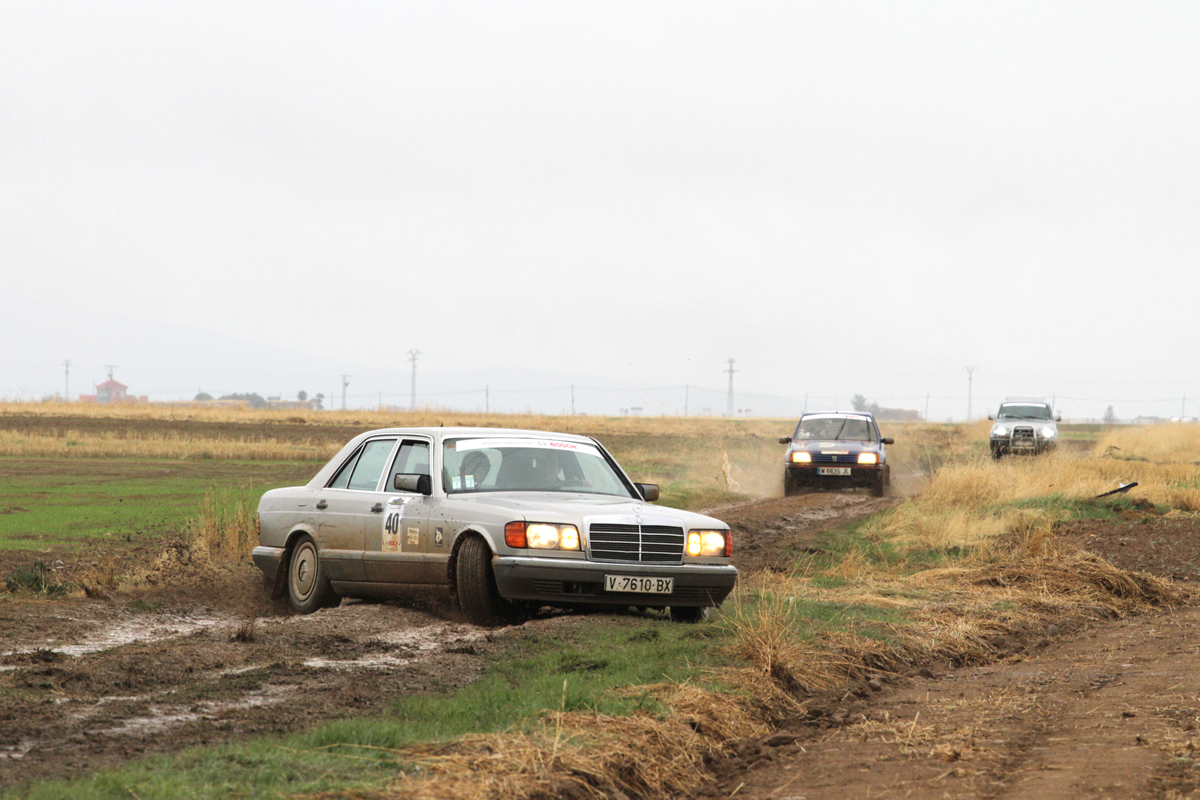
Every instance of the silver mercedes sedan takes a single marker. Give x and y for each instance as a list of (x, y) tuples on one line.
[(502, 521)]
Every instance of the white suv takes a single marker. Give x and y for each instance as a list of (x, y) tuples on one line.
[(1024, 426)]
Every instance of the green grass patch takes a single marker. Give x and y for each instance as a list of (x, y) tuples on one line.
[(576, 670), (808, 616), (53, 503), (38, 579)]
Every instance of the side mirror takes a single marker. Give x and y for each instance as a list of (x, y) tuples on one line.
[(785, 440), (649, 491), (888, 440), (1058, 418), (407, 482), (990, 416)]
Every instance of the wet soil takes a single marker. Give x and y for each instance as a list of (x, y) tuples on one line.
[(1099, 709), (1102, 708)]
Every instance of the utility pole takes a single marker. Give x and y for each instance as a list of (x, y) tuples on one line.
[(572, 399), (67, 367), (686, 387), (487, 398), (927, 406), (345, 383), (970, 377), (412, 356), (729, 400)]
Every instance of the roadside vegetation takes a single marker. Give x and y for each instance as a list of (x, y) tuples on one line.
[(962, 573)]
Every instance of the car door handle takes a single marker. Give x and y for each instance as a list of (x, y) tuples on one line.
[(322, 505), (377, 508)]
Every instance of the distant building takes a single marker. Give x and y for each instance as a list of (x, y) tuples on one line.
[(112, 391)]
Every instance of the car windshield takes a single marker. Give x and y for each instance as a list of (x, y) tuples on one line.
[(834, 428), (1024, 411), (527, 465)]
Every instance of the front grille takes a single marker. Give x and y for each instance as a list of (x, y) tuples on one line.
[(1022, 432), (827, 458), (647, 544)]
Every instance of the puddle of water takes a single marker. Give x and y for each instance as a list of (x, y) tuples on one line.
[(147, 629), (163, 718), (16, 751), (433, 637)]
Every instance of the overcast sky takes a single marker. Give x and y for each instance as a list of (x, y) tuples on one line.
[(844, 197)]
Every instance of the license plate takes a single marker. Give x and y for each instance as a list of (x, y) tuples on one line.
[(833, 471), (629, 583)]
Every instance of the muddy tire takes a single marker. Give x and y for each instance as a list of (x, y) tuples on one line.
[(478, 598), (308, 587), (790, 487), (880, 487), (689, 614)]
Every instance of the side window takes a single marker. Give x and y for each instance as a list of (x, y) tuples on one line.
[(370, 464), (343, 475), (412, 459)]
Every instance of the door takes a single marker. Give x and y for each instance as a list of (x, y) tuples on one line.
[(397, 545), (347, 506)]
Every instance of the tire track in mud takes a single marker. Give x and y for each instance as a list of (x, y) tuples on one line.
[(153, 682)]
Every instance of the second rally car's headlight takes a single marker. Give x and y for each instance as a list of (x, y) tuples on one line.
[(1049, 433), (801, 457), (709, 543), (1000, 431), (868, 458), (542, 536)]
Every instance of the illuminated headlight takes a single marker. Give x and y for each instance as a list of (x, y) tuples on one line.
[(868, 458), (542, 536), (707, 543), (801, 457), (1049, 433), (1000, 431)]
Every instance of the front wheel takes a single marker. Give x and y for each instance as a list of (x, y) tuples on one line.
[(307, 585), (478, 597), (880, 487)]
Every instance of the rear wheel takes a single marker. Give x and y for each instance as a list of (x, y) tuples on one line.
[(689, 614), (478, 597), (308, 587)]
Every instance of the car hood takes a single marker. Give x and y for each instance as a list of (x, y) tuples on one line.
[(839, 447), (576, 507)]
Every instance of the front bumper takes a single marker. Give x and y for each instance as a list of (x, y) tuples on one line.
[(1008, 445), (811, 475), (582, 582)]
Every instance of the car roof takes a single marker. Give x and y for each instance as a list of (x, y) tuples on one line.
[(451, 432), (837, 414)]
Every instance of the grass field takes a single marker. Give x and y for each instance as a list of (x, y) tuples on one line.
[(56, 503), (936, 576)]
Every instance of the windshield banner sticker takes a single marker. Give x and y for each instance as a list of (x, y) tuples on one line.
[(542, 444)]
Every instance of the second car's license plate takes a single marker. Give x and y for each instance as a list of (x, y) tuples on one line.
[(833, 470), (629, 583)]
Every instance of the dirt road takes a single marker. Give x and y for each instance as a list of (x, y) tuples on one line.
[(1110, 709), (1103, 710)]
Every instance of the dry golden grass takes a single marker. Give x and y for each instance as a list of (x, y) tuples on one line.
[(111, 444), (580, 754), (1165, 444), (367, 420), (975, 499)]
